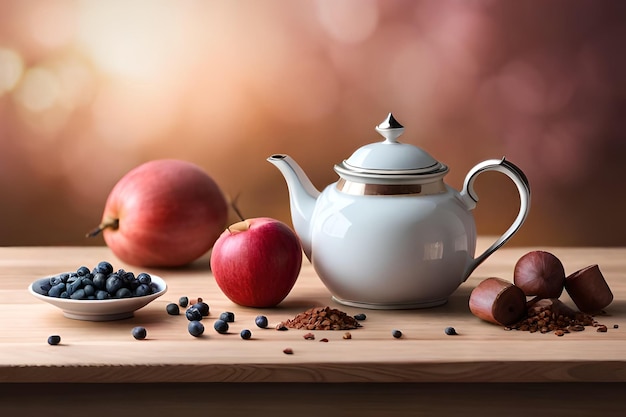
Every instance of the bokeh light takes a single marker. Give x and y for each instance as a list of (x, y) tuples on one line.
[(89, 89), (11, 68)]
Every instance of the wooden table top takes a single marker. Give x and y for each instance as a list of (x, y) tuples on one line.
[(482, 352)]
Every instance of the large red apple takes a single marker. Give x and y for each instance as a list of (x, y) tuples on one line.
[(256, 262), (163, 213)]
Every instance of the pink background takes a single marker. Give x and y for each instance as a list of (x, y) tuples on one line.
[(90, 89)]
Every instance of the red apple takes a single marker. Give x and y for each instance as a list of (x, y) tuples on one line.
[(256, 262), (164, 213)]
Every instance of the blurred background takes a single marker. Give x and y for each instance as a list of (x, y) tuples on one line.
[(91, 89)]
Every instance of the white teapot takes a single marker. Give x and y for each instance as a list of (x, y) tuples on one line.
[(390, 234)]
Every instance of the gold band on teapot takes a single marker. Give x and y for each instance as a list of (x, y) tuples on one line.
[(358, 188)]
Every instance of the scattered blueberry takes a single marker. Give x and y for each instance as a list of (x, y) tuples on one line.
[(245, 334), (195, 328), (450, 331), (54, 340), (360, 317), (183, 301), (396, 333), (202, 307), (261, 321), (172, 309), (139, 332), (227, 316), (220, 326), (193, 314)]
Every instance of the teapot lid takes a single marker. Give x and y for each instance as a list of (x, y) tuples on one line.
[(391, 157)]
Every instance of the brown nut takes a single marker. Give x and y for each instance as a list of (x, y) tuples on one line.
[(540, 274), (589, 290), (498, 301)]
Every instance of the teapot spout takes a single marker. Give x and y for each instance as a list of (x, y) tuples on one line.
[(302, 197)]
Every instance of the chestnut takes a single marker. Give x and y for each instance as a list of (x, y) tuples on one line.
[(498, 301), (589, 290), (540, 274)]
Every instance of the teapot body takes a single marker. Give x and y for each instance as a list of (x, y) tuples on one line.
[(390, 251), (390, 234)]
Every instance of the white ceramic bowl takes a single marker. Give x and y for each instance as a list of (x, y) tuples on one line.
[(99, 310)]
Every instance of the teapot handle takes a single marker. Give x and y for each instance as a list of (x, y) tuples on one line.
[(469, 197)]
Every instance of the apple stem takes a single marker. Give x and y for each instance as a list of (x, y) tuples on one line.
[(233, 204), (113, 224)]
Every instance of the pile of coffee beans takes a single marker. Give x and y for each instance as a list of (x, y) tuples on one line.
[(552, 316), (321, 318)]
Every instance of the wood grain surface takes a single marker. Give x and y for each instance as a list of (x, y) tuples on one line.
[(106, 352)]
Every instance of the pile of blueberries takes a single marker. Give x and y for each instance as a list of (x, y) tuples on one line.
[(100, 283)]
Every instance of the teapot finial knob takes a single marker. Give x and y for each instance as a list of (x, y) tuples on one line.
[(390, 129)]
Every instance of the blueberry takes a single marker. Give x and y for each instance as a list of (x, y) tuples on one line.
[(104, 267), (396, 333), (261, 321), (102, 295), (78, 294), (99, 280), (220, 326), (245, 334), (114, 283), (64, 294), (55, 280), (123, 293), (45, 287), (227, 316), (82, 271), (128, 280), (89, 290), (360, 317), (54, 339), (57, 290), (450, 331), (141, 290), (144, 278), (172, 309), (183, 301), (75, 285), (193, 314), (202, 307), (195, 328), (139, 332)]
